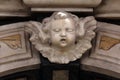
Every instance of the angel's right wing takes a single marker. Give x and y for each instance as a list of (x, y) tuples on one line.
[(37, 35)]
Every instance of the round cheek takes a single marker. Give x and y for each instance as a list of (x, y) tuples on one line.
[(54, 38), (72, 38)]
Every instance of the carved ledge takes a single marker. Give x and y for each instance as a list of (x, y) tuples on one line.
[(13, 8), (66, 5), (105, 55), (62, 9), (108, 9)]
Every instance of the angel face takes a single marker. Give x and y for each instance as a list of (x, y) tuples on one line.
[(63, 37), (63, 33)]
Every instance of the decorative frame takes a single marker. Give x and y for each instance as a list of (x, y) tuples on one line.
[(107, 43), (15, 41)]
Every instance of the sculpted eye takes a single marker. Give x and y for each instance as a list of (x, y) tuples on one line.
[(69, 30), (56, 30)]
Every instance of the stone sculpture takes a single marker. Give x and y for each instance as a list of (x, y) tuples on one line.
[(63, 37)]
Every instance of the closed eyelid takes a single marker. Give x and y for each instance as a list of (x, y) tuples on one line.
[(56, 30), (69, 29)]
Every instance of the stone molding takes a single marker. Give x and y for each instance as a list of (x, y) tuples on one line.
[(108, 9), (9, 8), (62, 5), (104, 57), (16, 54)]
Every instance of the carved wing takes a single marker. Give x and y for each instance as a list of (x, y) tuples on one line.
[(88, 24), (87, 27), (37, 35)]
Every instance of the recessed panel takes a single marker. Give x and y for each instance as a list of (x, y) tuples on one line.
[(60, 75)]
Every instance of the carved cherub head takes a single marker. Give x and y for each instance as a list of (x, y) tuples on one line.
[(62, 37), (63, 30)]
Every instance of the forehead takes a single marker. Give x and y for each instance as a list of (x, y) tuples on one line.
[(62, 23)]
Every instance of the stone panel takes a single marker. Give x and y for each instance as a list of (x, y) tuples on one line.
[(107, 46), (13, 44), (60, 75), (105, 53), (16, 54)]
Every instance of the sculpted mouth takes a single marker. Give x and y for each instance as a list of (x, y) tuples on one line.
[(63, 40)]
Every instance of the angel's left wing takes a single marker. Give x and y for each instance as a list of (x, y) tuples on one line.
[(87, 26)]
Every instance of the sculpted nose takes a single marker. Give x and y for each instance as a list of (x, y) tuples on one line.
[(63, 34)]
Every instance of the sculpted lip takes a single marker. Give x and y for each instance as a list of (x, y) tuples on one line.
[(63, 40)]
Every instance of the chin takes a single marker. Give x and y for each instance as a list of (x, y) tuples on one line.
[(64, 46)]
